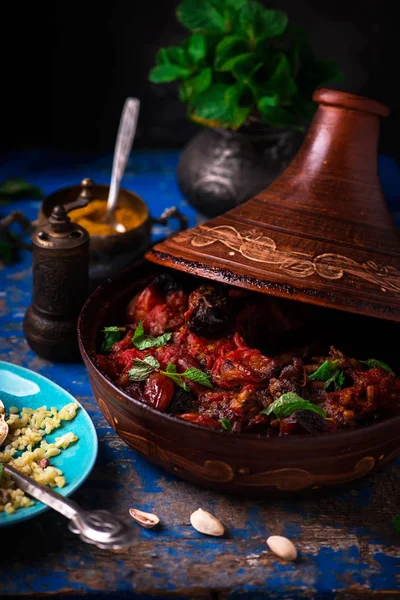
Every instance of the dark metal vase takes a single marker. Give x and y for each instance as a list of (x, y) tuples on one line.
[(220, 168)]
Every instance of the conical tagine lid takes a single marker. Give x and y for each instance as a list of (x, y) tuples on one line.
[(321, 233)]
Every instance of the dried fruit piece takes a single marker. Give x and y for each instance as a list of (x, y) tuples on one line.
[(146, 520), (282, 547), (204, 522)]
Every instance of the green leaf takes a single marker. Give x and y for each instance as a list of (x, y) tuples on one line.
[(229, 47), (232, 94), (19, 188), (396, 523), (168, 72), (111, 336), (279, 117), (282, 80), (211, 104), (325, 371), (197, 376), (288, 404), (267, 102), (260, 23), (274, 23), (236, 61), (141, 369), (173, 55), (236, 4), (142, 341), (1, 469), (329, 373), (197, 48), (191, 88), (374, 363), (176, 377), (337, 381), (200, 15), (226, 424), (239, 117)]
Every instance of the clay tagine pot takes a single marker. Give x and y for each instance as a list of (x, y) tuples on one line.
[(321, 233)]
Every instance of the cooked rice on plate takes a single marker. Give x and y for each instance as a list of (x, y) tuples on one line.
[(26, 449)]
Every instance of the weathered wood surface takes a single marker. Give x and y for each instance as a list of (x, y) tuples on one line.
[(347, 545)]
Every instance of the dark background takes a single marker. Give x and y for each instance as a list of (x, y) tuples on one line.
[(67, 68)]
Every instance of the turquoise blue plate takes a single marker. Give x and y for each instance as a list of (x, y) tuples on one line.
[(23, 388)]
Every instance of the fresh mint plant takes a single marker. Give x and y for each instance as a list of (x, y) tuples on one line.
[(242, 62)]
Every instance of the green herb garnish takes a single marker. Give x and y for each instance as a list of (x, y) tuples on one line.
[(142, 341), (226, 424), (396, 523), (172, 373), (111, 336), (192, 373), (374, 363), (141, 369), (1, 469), (288, 403), (330, 374)]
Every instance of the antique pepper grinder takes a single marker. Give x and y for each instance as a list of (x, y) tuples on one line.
[(60, 285)]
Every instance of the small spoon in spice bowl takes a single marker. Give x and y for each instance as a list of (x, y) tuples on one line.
[(123, 146), (3, 424)]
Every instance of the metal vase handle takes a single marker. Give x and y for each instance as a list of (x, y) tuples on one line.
[(171, 213)]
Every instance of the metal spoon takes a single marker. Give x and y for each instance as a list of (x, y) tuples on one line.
[(98, 527), (123, 146), (3, 424)]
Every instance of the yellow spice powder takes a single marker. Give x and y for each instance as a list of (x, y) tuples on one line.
[(90, 217)]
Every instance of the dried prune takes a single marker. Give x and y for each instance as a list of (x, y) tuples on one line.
[(210, 312), (305, 421)]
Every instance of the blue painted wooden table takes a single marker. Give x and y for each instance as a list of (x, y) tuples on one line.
[(347, 545)]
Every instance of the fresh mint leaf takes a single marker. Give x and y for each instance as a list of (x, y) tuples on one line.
[(226, 424), (260, 23), (288, 403), (176, 55), (325, 371), (239, 116), (268, 102), (168, 72), (236, 61), (192, 373), (139, 332), (141, 341), (229, 47), (197, 48), (330, 374), (141, 369), (176, 377), (111, 336), (282, 79), (374, 363), (200, 15), (191, 88), (210, 105), (197, 376), (337, 381), (279, 117), (396, 523)]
